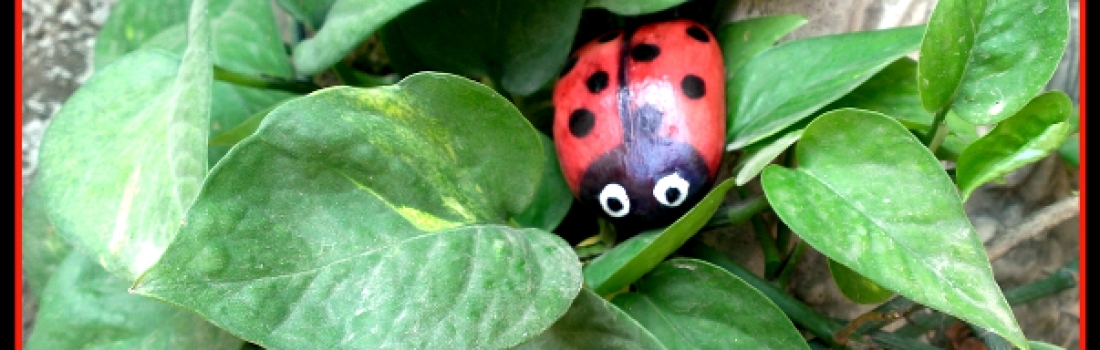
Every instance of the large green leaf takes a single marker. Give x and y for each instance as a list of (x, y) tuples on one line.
[(371, 218), (692, 304), (85, 307), (1033, 133), (553, 199), (133, 22), (347, 24), (594, 323), (870, 196), (43, 247), (855, 287), (742, 40), (636, 256), (791, 81), (633, 7), (125, 156), (893, 92), (310, 12), (988, 58), (245, 41), (519, 45)]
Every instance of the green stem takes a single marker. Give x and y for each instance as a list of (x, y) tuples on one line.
[(353, 77), (818, 325), (301, 87), (782, 231), (992, 340), (772, 261), (929, 138), (785, 273), (729, 215), (1064, 278)]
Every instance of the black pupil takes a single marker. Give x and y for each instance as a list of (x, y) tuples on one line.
[(672, 194), (614, 204)]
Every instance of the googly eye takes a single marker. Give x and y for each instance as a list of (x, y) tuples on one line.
[(614, 201), (671, 190)]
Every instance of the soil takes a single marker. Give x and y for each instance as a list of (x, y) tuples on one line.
[(58, 37)]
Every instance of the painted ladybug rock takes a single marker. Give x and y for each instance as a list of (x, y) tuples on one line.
[(639, 121)]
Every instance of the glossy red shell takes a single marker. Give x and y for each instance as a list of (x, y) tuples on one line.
[(699, 121)]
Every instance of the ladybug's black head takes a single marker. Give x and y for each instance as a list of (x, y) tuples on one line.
[(645, 183)]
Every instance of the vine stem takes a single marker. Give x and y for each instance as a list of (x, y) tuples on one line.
[(772, 262), (935, 133), (739, 213), (303, 87)]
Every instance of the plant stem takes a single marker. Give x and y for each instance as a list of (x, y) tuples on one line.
[(728, 215), (992, 340), (818, 325), (782, 231), (930, 137), (772, 261), (302, 87), (353, 77), (785, 273)]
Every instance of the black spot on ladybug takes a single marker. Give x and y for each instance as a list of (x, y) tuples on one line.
[(609, 37), (597, 82), (645, 52), (693, 87), (568, 66), (581, 122), (649, 119), (698, 33)]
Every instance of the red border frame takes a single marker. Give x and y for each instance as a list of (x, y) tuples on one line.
[(19, 174), (1081, 169)]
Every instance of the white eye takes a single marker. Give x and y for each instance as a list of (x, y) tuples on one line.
[(671, 190), (614, 201)]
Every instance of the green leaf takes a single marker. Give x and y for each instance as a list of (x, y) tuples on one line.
[(693, 304), (310, 12), (870, 196), (633, 7), (988, 58), (232, 106), (245, 41), (594, 323), (125, 156), (772, 91), (1071, 151), (133, 22), (1038, 345), (43, 247), (636, 256), (742, 40), (347, 24), (228, 138), (553, 199), (1034, 132), (85, 307), (374, 217), (857, 288), (757, 158), (893, 92), (966, 131), (519, 45)]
